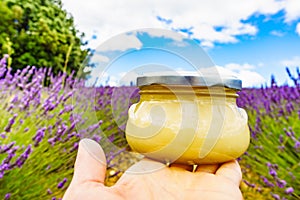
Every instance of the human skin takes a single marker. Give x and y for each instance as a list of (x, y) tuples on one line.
[(149, 179)]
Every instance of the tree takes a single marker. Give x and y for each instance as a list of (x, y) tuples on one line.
[(40, 33)]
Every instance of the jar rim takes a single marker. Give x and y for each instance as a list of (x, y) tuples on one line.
[(207, 81)]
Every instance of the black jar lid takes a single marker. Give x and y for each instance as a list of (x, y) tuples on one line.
[(207, 81)]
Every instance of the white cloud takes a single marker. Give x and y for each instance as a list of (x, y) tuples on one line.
[(239, 67), (293, 62), (245, 72), (121, 42), (166, 34), (277, 33), (292, 9), (200, 17), (99, 58), (251, 78), (298, 29)]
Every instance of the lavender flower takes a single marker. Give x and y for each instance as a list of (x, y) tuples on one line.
[(3, 135), (3, 168), (267, 182), (3, 60), (7, 196), (75, 147), (281, 139), (289, 190), (49, 191), (97, 138), (62, 183), (5, 148), (23, 157), (10, 123), (297, 145), (276, 196), (252, 185), (39, 136), (272, 172), (281, 183), (52, 141)]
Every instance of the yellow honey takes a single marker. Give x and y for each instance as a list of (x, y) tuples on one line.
[(189, 122)]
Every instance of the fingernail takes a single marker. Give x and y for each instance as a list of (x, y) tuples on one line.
[(94, 149)]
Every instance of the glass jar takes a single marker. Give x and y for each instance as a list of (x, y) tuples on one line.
[(188, 119)]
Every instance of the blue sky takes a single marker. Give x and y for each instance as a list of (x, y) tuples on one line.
[(270, 49), (251, 38)]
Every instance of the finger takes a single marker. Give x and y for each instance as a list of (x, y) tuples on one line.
[(182, 167), (90, 164), (207, 168), (232, 171)]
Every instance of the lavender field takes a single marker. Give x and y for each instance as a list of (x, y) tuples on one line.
[(43, 117)]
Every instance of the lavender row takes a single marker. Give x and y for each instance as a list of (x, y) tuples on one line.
[(271, 164), (43, 118)]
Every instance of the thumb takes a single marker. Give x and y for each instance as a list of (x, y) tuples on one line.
[(90, 164)]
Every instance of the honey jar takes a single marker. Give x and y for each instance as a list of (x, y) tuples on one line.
[(188, 119)]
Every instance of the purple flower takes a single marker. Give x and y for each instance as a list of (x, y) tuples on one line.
[(92, 128), (10, 123), (289, 132), (7, 196), (281, 183), (7, 147), (48, 167), (281, 139), (39, 136), (289, 107), (267, 182), (49, 191), (276, 196), (67, 96), (97, 138), (289, 190), (52, 141), (272, 172), (15, 99), (75, 147), (297, 145), (4, 167), (23, 157), (62, 183), (3, 135), (252, 185)]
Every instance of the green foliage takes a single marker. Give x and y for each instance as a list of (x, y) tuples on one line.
[(40, 33)]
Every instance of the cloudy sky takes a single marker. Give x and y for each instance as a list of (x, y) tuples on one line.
[(251, 38)]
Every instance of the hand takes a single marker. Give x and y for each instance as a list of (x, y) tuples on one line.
[(138, 182)]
